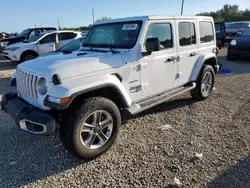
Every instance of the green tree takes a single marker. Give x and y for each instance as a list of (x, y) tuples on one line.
[(229, 13)]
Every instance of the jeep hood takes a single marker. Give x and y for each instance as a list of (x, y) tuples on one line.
[(73, 64)]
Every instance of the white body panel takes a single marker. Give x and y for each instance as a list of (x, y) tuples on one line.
[(45, 48), (62, 43), (143, 76)]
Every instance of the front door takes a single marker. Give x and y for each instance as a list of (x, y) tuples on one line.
[(158, 70), (64, 38), (47, 44), (187, 50)]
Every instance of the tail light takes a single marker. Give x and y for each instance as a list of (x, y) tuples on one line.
[(240, 30)]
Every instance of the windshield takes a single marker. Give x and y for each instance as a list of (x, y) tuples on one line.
[(238, 25), (32, 39), (24, 32), (72, 46), (246, 33), (115, 35)]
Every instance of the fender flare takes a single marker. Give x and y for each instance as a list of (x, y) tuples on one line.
[(199, 64), (73, 93)]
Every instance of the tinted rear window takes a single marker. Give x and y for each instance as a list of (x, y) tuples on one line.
[(206, 32), (187, 34)]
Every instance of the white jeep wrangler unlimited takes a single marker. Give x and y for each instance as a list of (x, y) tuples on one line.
[(124, 64)]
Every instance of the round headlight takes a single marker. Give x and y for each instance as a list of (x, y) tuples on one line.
[(233, 42), (42, 86)]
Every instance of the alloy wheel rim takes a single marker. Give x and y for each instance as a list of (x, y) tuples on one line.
[(207, 83), (29, 57), (96, 129)]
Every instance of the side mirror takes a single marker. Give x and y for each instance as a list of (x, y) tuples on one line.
[(153, 44)]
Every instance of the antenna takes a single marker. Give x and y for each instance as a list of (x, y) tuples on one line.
[(93, 14), (182, 5)]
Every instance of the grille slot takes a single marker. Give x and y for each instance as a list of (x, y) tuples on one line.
[(26, 84)]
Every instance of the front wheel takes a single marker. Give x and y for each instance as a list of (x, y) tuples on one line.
[(27, 56), (204, 83), (91, 128)]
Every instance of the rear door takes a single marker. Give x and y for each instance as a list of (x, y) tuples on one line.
[(64, 38), (47, 44), (188, 50)]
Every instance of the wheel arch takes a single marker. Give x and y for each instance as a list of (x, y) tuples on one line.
[(108, 86), (108, 91), (28, 51), (204, 60)]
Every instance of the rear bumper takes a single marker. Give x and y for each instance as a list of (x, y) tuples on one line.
[(27, 117)]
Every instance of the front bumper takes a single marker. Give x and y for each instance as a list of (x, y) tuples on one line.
[(10, 56), (27, 117)]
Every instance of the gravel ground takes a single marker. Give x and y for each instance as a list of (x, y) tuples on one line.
[(199, 144)]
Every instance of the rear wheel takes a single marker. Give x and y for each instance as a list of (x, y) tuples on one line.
[(204, 83), (91, 128)]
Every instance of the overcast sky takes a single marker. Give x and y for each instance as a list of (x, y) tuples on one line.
[(17, 15)]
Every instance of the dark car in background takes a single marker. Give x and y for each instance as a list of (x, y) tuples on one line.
[(25, 34), (240, 46), (235, 28), (220, 29)]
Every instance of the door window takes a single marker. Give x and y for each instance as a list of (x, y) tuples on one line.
[(49, 39), (206, 32), (66, 36), (163, 32), (187, 35)]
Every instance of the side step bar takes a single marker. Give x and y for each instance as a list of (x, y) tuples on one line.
[(144, 105)]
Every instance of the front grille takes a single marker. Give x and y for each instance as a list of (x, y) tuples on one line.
[(26, 84)]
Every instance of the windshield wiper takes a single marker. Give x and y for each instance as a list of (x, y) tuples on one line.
[(110, 46), (89, 45)]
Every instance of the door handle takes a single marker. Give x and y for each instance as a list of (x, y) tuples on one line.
[(193, 54), (50, 45), (173, 58)]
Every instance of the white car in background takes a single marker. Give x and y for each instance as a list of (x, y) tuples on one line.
[(38, 45)]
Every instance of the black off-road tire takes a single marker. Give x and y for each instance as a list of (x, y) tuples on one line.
[(71, 125), (197, 93)]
